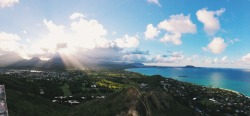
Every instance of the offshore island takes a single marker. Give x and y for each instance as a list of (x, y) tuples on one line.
[(113, 91)]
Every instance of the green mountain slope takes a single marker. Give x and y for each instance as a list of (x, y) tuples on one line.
[(26, 104), (132, 102), (22, 100)]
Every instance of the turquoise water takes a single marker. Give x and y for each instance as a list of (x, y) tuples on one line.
[(233, 79)]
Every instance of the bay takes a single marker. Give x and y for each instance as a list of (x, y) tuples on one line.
[(233, 79)]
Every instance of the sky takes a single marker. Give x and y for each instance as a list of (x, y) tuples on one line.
[(154, 32)]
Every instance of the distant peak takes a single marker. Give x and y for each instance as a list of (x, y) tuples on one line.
[(57, 55), (35, 58)]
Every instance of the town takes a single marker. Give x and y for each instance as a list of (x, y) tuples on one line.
[(71, 87), (74, 87), (205, 100)]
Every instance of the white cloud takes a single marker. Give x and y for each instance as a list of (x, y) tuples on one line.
[(48, 43), (90, 29), (224, 59), (28, 40), (136, 55), (178, 24), (53, 28), (177, 55), (82, 36), (174, 57), (193, 59), (216, 60), (127, 41), (172, 38), (138, 51), (233, 41), (175, 27), (246, 58), (151, 32), (134, 58), (7, 3), (113, 33), (24, 31), (99, 53), (208, 60), (75, 41), (8, 41), (86, 33), (76, 15), (155, 2), (210, 20), (216, 46)]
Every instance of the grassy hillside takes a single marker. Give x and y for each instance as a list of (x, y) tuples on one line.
[(161, 104), (132, 102), (26, 104), (23, 100), (122, 94)]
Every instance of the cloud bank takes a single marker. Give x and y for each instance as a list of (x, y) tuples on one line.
[(246, 58), (83, 39)]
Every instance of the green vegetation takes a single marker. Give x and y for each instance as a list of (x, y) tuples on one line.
[(65, 89), (83, 88), (206, 102), (110, 93), (113, 74), (27, 104), (109, 84), (23, 99), (131, 101)]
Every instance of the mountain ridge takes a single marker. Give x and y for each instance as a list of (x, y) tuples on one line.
[(57, 63)]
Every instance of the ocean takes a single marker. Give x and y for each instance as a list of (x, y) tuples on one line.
[(233, 79)]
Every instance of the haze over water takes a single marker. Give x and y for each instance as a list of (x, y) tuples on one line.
[(233, 79)]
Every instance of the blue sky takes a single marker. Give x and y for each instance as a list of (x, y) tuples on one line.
[(154, 32)]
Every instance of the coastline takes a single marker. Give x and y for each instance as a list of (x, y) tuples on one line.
[(239, 93), (232, 91), (226, 89)]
